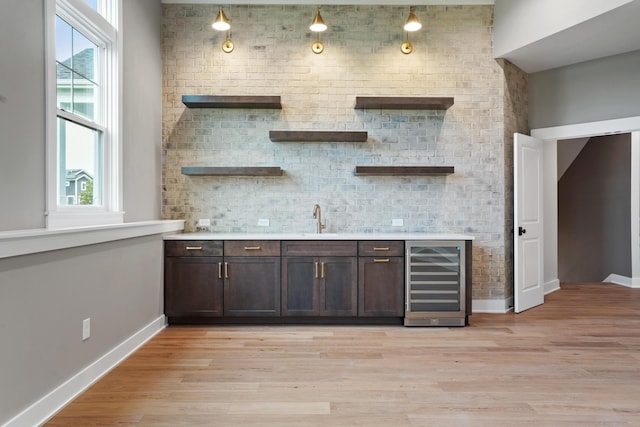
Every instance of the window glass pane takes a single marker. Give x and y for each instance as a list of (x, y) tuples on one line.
[(63, 41), (83, 97), (76, 67), (79, 164), (63, 87), (84, 55)]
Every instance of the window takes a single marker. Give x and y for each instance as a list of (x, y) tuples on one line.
[(83, 103)]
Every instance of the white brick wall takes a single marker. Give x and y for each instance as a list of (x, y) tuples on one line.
[(272, 56)]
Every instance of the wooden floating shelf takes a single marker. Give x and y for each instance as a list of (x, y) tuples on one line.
[(316, 136), (215, 101), (231, 171), (403, 103), (404, 170)]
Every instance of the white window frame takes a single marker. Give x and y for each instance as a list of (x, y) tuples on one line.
[(101, 28)]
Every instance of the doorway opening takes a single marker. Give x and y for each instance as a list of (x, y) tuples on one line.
[(594, 208), (550, 137)]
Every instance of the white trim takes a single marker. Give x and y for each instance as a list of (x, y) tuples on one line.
[(497, 306), (628, 282), (117, 178), (582, 130), (77, 10), (39, 412), (635, 206), (23, 242), (551, 286), (79, 120), (550, 193)]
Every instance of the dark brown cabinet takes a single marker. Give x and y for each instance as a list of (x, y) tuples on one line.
[(193, 279), (381, 278), (251, 278), (317, 285), (313, 281), (252, 286)]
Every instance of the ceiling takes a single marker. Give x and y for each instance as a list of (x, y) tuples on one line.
[(611, 33)]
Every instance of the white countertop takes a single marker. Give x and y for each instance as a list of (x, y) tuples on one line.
[(315, 236)]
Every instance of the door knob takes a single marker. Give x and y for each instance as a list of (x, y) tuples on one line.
[(521, 231)]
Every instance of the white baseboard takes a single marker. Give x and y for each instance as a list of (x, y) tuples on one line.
[(492, 305), (551, 286), (39, 412), (629, 282)]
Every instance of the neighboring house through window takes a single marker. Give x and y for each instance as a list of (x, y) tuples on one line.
[(83, 140)]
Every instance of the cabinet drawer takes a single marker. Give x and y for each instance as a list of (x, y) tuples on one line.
[(319, 248), (381, 248), (193, 248), (252, 248)]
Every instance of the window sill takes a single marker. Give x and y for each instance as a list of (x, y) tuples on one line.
[(24, 242)]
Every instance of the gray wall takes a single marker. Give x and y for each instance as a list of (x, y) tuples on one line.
[(44, 297), (594, 212), (602, 89), (142, 140), (22, 125), (22, 113)]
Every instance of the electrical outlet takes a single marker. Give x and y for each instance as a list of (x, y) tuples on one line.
[(397, 222), (86, 329), (263, 222), (204, 222)]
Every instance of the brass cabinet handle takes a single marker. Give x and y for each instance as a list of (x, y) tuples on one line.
[(252, 248), (316, 270), (194, 248), (226, 270), (380, 249), (219, 270), (322, 270), (381, 260)]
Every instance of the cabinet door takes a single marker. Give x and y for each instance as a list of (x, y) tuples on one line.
[(339, 286), (300, 293), (193, 287), (381, 286), (252, 286)]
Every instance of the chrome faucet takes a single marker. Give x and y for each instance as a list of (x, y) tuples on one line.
[(318, 215)]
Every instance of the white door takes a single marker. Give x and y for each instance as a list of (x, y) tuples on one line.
[(528, 231)]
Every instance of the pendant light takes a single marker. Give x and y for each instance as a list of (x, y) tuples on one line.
[(317, 26), (411, 25), (223, 23)]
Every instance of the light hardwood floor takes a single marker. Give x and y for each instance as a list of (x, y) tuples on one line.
[(575, 361)]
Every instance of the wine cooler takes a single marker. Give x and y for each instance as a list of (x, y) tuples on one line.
[(435, 283)]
